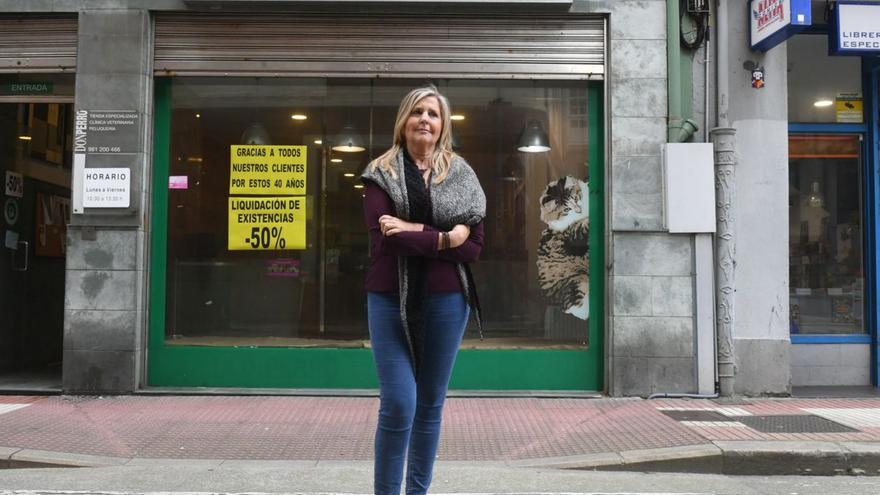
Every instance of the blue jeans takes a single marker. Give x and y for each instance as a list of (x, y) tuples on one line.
[(410, 411)]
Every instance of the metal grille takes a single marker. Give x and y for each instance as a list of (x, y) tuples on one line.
[(38, 43), (697, 416), (793, 424), (534, 46)]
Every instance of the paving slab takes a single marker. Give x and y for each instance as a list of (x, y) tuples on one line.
[(194, 463), (525, 431), (249, 464)]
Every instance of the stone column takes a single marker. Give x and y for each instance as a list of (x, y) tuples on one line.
[(760, 312), (724, 139), (652, 296), (104, 302)]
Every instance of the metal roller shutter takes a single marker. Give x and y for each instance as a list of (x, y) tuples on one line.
[(324, 45), (38, 43)]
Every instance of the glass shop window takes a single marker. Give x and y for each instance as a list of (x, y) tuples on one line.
[(241, 272), (826, 263), (822, 88), (36, 126)]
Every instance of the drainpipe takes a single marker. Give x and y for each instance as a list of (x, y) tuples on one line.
[(678, 130), (724, 139)]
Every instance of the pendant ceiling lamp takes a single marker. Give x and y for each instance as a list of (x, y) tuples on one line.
[(348, 140), (533, 139), (256, 133)]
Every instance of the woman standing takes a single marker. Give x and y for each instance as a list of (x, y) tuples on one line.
[(424, 207)]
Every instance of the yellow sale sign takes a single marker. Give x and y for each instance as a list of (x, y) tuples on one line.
[(267, 170), (269, 223)]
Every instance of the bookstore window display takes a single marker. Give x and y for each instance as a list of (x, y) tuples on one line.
[(826, 210)]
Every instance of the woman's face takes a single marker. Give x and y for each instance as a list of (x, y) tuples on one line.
[(423, 126)]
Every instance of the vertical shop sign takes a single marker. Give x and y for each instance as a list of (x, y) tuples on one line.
[(267, 204), (774, 21), (102, 132), (855, 28)]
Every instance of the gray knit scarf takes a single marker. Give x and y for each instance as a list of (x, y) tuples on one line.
[(459, 199)]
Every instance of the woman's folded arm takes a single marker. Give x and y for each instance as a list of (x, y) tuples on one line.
[(376, 204)]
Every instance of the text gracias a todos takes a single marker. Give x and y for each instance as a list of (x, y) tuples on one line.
[(267, 222), (268, 170)]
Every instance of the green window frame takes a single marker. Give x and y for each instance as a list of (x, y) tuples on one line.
[(346, 368)]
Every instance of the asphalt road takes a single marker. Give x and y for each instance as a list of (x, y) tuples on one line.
[(181, 478)]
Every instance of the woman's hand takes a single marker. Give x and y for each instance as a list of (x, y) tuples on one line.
[(392, 225), (458, 235)]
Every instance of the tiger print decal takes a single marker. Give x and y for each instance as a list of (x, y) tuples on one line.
[(563, 251)]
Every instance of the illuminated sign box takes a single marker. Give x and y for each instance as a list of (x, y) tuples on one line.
[(774, 21), (855, 29)]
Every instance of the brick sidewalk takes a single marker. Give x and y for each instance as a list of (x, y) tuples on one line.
[(475, 429)]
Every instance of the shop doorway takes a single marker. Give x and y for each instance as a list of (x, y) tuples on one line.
[(827, 261), (35, 165)]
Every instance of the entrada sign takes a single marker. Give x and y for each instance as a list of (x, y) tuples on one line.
[(27, 88), (855, 28), (774, 21)]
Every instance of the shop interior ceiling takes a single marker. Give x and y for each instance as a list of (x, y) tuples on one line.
[(311, 92), (822, 77)]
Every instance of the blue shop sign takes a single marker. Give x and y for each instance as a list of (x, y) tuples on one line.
[(774, 21), (855, 28)]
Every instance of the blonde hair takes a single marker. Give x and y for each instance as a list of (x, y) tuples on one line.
[(443, 155)]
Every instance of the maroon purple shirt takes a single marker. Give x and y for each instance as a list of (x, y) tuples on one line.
[(442, 274)]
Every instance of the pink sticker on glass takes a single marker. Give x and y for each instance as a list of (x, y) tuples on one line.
[(178, 182), (282, 267)]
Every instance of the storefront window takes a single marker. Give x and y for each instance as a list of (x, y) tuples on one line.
[(825, 234), (40, 118), (822, 88), (533, 273)]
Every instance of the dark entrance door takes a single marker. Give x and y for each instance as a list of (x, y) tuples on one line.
[(35, 168)]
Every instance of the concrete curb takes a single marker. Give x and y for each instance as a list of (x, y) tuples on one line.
[(720, 457), (704, 458), (5, 454), (747, 458), (800, 458), (30, 458)]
